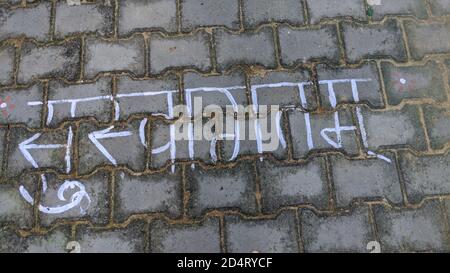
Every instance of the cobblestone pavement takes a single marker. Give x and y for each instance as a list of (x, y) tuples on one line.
[(89, 161)]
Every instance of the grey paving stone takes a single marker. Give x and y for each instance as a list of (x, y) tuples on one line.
[(269, 136), (195, 85), (95, 18), (16, 108), (53, 61), (53, 242), (303, 143), (415, 8), (257, 12), (437, 121), (283, 185), (306, 45), (411, 230), (61, 97), (190, 51), (145, 96), (323, 9), (367, 84), (413, 82), (199, 238), (158, 193), (182, 148), (394, 128), (427, 39), (440, 7), (380, 41), (248, 48), (125, 240), (94, 207), (365, 179), (345, 232), (265, 236), (425, 175), (33, 22), (124, 150), (275, 88), (14, 209), (44, 158), (124, 55), (7, 55), (141, 15), (207, 13), (219, 189)]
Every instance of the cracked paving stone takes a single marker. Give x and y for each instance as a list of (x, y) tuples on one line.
[(425, 175)]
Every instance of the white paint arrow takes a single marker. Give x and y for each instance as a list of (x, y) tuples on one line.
[(27, 145), (95, 136)]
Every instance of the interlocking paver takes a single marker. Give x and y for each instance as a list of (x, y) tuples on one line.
[(346, 232), (126, 240), (257, 12), (200, 238), (214, 189), (53, 242), (377, 41), (363, 179), (424, 39), (97, 18), (111, 134), (207, 13), (151, 194), (283, 185), (139, 15), (415, 8), (319, 44), (326, 9), (180, 52), (411, 230), (53, 61), (33, 22), (266, 236), (124, 55), (245, 49), (437, 121), (413, 82)]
